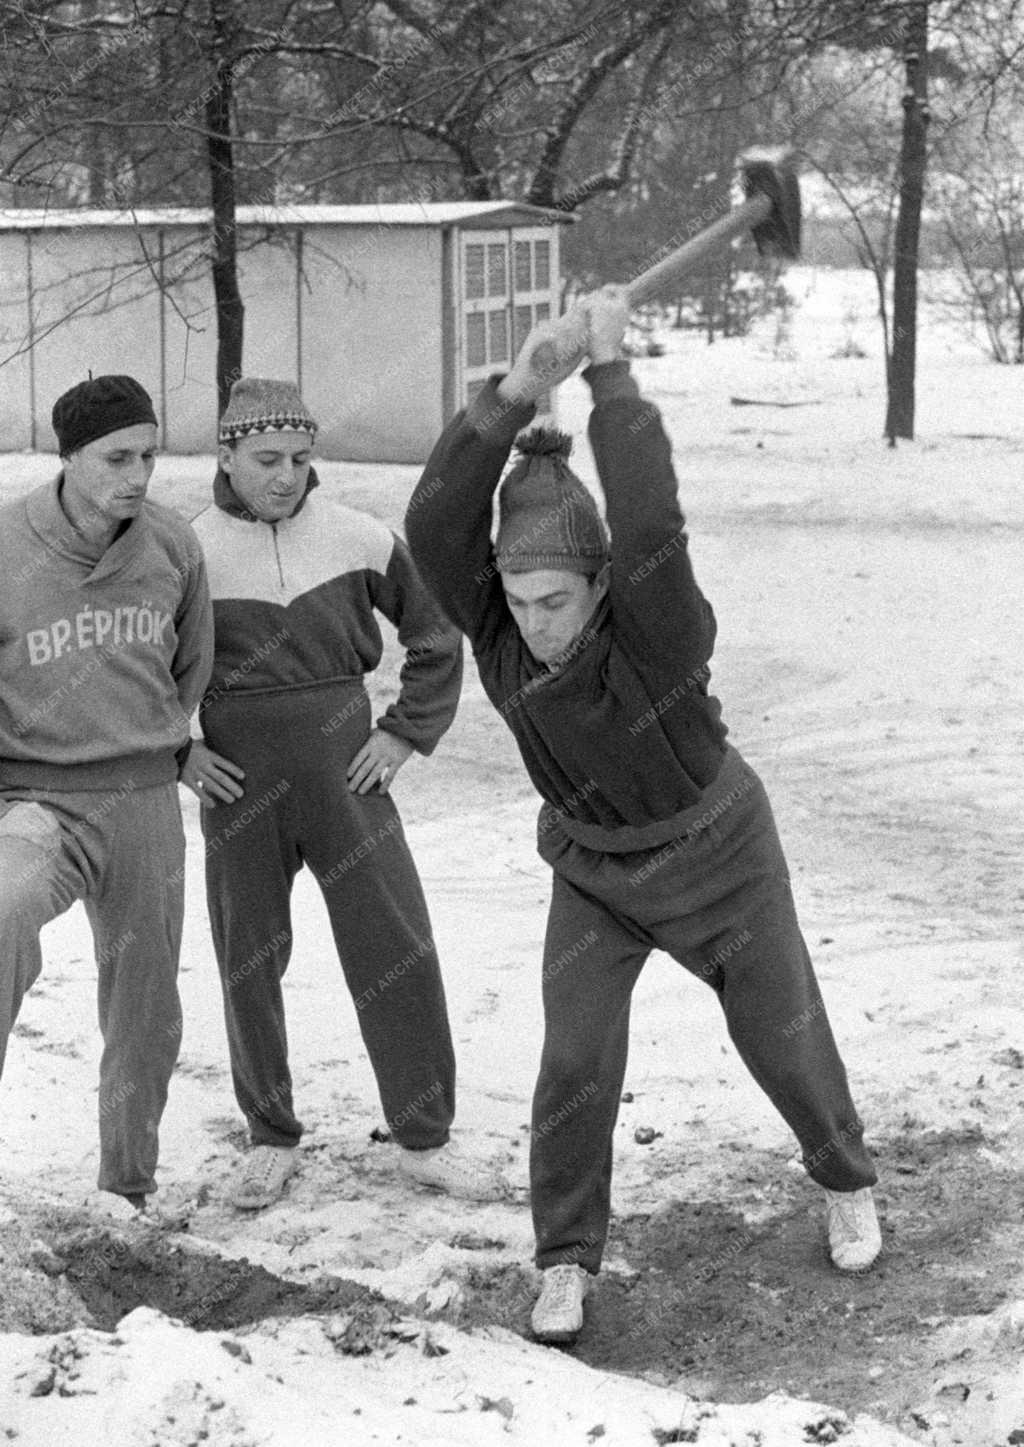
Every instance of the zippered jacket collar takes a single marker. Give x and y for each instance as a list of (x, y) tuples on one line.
[(226, 498)]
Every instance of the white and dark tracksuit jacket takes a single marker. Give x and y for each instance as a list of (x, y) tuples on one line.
[(295, 633)]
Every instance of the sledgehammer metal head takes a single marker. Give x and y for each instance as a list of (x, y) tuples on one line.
[(770, 172), (771, 212)]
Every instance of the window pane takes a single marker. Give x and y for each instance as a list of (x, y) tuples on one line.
[(474, 271), (476, 339), (499, 336), (522, 321), (542, 264), (542, 312), (524, 274), (497, 273)]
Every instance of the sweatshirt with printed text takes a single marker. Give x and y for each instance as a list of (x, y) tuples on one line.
[(101, 662)]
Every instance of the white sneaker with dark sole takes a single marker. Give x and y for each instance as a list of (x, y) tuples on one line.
[(448, 1168), (854, 1235), (558, 1314), (261, 1178)]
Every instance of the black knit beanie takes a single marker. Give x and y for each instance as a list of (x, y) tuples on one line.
[(101, 405)]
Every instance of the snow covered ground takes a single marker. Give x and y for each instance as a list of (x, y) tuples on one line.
[(870, 664)]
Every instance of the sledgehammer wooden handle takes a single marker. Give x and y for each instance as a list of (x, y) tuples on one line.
[(686, 257), (557, 350)]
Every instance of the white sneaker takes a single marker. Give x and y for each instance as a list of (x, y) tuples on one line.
[(448, 1168), (261, 1178), (558, 1314), (854, 1235)]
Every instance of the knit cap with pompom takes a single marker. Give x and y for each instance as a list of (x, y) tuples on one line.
[(546, 517)]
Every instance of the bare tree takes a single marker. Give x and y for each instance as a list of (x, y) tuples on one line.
[(220, 153), (436, 84), (634, 112), (980, 190), (899, 417)]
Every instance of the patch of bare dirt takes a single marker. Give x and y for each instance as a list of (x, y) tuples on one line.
[(731, 1310), (58, 1273)]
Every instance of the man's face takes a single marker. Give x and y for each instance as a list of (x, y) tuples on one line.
[(107, 479), (268, 472), (551, 608)]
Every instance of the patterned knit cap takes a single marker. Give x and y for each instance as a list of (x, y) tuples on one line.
[(260, 404), (101, 405), (547, 518)]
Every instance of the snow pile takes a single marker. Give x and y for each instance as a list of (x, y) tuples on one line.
[(153, 1383)]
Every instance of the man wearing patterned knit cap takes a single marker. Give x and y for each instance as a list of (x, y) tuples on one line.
[(658, 833), (106, 642), (293, 771)]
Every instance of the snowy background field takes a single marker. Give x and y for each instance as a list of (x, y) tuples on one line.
[(871, 667)]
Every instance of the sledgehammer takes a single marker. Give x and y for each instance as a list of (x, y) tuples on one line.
[(771, 212)]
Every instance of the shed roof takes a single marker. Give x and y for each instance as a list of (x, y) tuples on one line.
[(396, 213)]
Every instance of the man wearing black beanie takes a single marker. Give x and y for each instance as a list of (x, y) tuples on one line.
[(658, 833), (106, 644)]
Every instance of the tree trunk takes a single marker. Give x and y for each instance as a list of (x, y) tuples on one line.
[(220, 154), (93, 136), (899, 417)]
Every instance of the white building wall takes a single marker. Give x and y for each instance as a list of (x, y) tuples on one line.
[(267, 282), (371, 340), (188, 406), (353, 312), (95, 308), (15, 366)]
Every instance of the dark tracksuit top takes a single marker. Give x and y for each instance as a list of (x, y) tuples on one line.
[(626, 736), (295, 631), (658, 832)]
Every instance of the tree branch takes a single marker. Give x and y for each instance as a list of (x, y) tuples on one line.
[(541, 189)]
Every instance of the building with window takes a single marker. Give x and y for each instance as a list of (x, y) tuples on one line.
[(390, 316)]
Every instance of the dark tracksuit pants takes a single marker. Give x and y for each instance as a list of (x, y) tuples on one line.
[(295, 746), (122, 852), (717, 899)]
